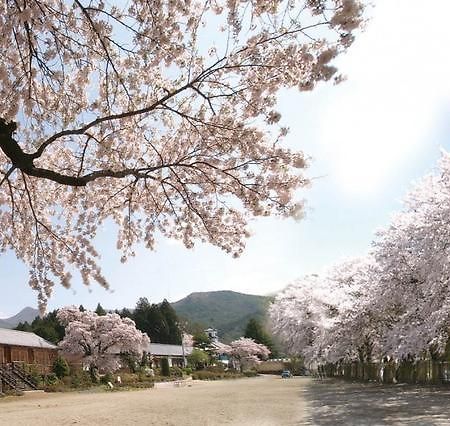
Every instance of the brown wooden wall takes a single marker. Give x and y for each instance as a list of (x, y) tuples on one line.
[(43, 358)]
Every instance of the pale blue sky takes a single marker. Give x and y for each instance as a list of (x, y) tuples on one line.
[(369, 138)]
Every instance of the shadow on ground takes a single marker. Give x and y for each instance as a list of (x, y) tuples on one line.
[(342, 403)]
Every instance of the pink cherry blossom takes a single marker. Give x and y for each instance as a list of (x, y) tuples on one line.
[(157, 115), (393, 303), (100, 339), (245, 352)]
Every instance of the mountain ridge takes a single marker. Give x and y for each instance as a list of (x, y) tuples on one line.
[(26, 314), (227, 311)]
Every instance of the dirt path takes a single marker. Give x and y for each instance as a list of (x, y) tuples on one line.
[(262, 401), (339, 403)]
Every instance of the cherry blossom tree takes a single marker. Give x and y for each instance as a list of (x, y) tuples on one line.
[(160, 115), (245, 352), (298, 315), (100, 339), (356, 330), (329, 317), (395, 302), (220, 348), (413, 253)]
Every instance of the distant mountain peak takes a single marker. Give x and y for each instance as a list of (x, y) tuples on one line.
[(26, 314)]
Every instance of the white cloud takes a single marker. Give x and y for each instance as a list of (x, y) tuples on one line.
[(398, 80)]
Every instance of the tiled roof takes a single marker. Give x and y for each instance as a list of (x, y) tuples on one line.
[(23, 338), (160, 349)]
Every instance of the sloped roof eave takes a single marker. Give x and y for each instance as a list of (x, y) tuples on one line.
[(24, 339), (161, 349)]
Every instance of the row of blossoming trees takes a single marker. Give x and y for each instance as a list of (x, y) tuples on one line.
[(392, 304), (100, 341)]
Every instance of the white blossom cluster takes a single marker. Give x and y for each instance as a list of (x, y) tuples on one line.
[(244, 351), (157, 114), (393, 303)]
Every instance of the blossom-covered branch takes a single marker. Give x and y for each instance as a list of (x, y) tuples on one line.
[(157, 114)]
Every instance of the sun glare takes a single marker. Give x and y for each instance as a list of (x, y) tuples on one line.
[(398, 83)]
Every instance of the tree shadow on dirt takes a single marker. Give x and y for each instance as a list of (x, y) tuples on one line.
[(342, 403)]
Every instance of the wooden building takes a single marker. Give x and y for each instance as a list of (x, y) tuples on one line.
[(27, 348), (176, 354)]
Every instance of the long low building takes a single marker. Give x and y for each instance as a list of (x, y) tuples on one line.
[(176, 354), (28, 348)]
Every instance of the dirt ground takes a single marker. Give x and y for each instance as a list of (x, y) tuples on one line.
[(262, 401), (259, 401), (333, 403)]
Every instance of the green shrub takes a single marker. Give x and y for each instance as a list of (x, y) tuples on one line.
[(108, 377), (134, 380), (187, 371), (131, 361), (60, 367), (145, 360), (176, 371), (35, 374), (143, 385), (51, 379), (165, 369), (130, 379), (215, 375), (198, 359), (81, 379), (219, 368), (250, 373)]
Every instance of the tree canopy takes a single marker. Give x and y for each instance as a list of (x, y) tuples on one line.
[(99, 339), (99, 310), (392, 303), (159, 115), (244, 351), (48, 327), (255, 330), (159, 321)]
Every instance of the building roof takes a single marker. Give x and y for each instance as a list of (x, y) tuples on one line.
[(160, 349), (23, 338)]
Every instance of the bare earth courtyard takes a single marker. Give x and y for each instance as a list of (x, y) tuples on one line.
[(256, 401)]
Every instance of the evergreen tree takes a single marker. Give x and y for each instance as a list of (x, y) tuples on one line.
[(48, 327), (165, 368), (160, 322), (255, 331), (172, 330), (125, 313), (99, 310), (24, 326), (61, 367)]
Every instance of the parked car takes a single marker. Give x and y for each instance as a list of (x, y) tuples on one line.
[(286, 374)]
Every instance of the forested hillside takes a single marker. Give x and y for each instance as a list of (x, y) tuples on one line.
[(228, 311)]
